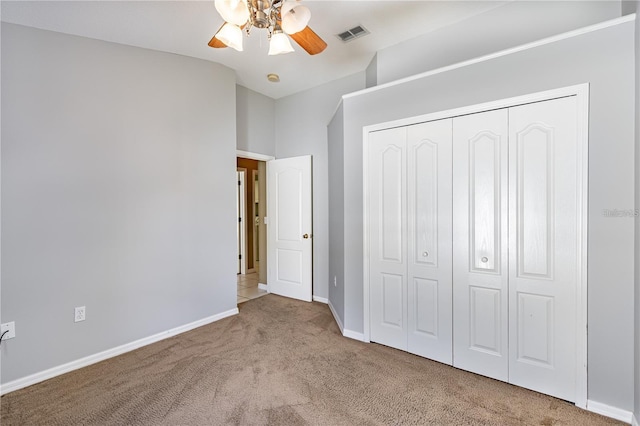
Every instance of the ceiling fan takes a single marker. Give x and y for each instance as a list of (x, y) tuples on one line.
[(279, 17)]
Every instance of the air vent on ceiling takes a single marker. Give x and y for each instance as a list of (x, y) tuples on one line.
[(353, 33)]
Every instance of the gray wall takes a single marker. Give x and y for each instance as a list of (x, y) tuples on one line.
[(255, 129), (117, 194), (605, 60), (301, 129), (371, 72), (255, 126), (637, 233), (511, 25), (336, 213)]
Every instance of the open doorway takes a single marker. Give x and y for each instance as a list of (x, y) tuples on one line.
[(252, 241), (283, 250)]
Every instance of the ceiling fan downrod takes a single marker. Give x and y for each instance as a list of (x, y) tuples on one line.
[(263, 13), (259, 13)]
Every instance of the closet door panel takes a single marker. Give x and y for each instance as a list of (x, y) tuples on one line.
[(480, 274), (429, 232), (543, 241), (388, 237)]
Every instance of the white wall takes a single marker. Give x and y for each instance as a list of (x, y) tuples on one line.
[(117, 194), (255, 125), (301, 129), (605, 59), (516, 23)]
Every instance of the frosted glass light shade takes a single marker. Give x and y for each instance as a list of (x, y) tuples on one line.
[(287, 6), (295, 19), (231, 35), (279, 44), (233, 11)]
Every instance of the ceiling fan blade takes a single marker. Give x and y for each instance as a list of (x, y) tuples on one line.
[(215, 43), (309, 41)]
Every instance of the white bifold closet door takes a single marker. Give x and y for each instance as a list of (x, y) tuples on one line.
[(410, 238), (388, 237), (515, 240), (480, 243), (543, 246)]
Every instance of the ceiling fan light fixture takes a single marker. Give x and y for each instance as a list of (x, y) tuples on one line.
[(279, 44), (287, 5), (295, 19), (233, 11), (279, 17), (231, 35)]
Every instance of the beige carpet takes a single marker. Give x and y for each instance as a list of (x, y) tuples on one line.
[(280, 362)]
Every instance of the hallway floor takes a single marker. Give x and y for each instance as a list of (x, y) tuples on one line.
[(248, 287)]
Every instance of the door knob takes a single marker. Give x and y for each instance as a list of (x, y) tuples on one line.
[(305, 236)]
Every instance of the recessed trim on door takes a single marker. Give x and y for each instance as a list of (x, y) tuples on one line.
[(582, 96)]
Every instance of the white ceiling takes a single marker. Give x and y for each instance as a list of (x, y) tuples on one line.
[(185, 28)]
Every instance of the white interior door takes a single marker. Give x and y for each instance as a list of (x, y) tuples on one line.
[(388, 236), (289, 236), (480, 267), (543, 246), (429, 230)]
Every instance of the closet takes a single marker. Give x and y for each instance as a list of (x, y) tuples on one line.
[(474, 229), (410, 216)]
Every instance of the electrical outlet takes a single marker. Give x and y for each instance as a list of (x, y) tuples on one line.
[(11, 328), (335, 281), (80, 314)]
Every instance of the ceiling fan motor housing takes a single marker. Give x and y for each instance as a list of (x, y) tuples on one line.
[(260, 13)]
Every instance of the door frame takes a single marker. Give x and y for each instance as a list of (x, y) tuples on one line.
[(581, 91), (254, 213), (258, 157), (242, 219)]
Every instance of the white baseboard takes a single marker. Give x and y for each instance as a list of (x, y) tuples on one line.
[(109, 353), (320, 299), (346, 333), (610, 411), (263, 287), (634, 421), (335, 316), (353, 335)]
